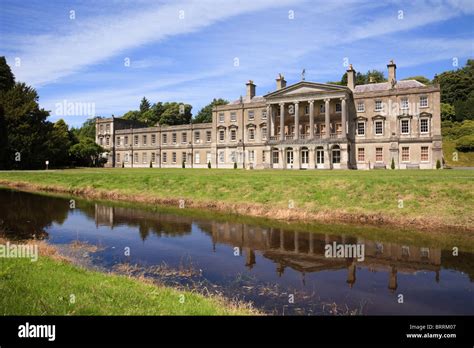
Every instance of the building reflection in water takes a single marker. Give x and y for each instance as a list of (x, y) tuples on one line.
[(300, 251)]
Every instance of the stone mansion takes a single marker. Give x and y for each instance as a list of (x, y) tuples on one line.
[(306, 125)]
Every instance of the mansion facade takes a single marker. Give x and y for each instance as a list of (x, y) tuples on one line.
[(306, 125)]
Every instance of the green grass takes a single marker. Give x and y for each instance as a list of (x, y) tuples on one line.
[(45, 288), (464, 159), (440, 195)]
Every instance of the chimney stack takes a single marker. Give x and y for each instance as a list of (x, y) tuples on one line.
[(351, 77), (281, 83), (250, 90), (392, 77)]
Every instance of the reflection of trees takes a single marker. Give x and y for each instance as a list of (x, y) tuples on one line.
[(27, 214), (464, 262)]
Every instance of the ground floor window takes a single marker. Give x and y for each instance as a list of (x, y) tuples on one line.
[(424, 153), (153, 157), (135, 157), (125, 157), (289, 156), (405, 154), (275, 157), (360, 154), (304, 156), (232, 156), (197, 158), (378, 154), (263, 157), (183, 157), (144, 157), (320, 156), (118, 157), (221, 156), (173, 157), (336, 155), (208, 156), (251, 156), (165, 157)]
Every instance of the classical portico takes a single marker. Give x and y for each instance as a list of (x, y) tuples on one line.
[(308, 126)]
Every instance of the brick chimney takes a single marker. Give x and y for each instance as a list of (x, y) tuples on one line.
[(281, 83), (392, 76), (351, 77), (250, 90)]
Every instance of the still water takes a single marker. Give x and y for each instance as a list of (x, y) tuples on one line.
[(279, 270)]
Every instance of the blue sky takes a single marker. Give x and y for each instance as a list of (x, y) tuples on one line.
[(185, 50)]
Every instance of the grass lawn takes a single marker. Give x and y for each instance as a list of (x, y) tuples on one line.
[(46, 287), (464, 159), (441, 196)]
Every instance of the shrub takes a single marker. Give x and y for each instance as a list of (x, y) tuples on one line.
[(209, 164), (465, 143), (235, 165), (438, 164), (151, 164), (123, 165), (393, 164), (184, 164)]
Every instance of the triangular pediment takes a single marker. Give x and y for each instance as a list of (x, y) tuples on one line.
[(304, 87)]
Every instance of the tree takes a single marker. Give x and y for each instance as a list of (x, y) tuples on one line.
[(456, 84), (205, 114), (464, 109), (87, 130), (447, 112), (86, 152), (392, 165), (176, 114), (132, 115), (7, 79), (465, 143), (144, 105), (421, 79), (59, 142)]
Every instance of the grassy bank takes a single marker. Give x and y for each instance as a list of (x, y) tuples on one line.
[(425, 198), (46, 287)]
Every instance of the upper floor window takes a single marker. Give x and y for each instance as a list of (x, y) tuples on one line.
[(135, 140), (405, 126), (118, 141), (107, 128), (221, 117), (264, 114), (221, 135), (125, 140), (338, 107), (233, 117), (173, 138), (107, 141), (101, 128), (197, 136), (153, 138), (423, 101), (165, 138), (322, 108), (378, 105), (184, 137), (306, 110), (208, 136), (360, 107), (251, 134), (404, 104), (251, 115), (233, 135), (424, 125), (144, 140), (360, 128), (378, 127), (264, 132)]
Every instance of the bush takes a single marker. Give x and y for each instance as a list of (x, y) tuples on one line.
[(123, 165), (465, 143), (151, 164), (393, 164), (184, 164), (438, 164), (235, 165), (209, 164)]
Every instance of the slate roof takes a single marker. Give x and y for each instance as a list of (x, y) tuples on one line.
[(385, 86), (256, 99)]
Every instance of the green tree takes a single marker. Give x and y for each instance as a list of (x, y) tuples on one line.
[(456, 85), (205, 114), (464, 109), (144, 105), (59, 142), (419, 78), (87, 130), (447, 112), (7, 79), (86, 152), (176, 114), (363, 79)]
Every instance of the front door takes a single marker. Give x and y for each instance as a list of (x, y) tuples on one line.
[(289, 158), (304, 158)]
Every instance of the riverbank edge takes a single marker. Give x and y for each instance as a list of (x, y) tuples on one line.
[(429, 223), (50, 254)]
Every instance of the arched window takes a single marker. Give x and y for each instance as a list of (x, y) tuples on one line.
[(336, 154)]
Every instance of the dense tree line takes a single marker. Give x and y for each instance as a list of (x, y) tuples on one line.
[(27, 138)]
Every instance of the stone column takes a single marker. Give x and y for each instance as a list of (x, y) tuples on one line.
[(282, 121), (311, 119), (269, 122), (327, 119), (296, 157), (344, 117), (311, 160), (297, 121)]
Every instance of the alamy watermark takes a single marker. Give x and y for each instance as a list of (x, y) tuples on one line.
[(68, 108), (27, 251), (352, 251)]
